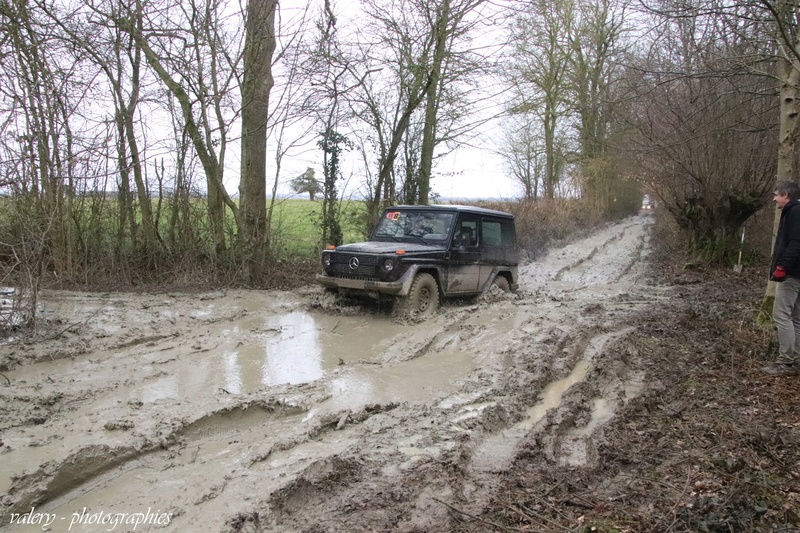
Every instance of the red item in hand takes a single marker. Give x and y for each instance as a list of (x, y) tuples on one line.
[(779, 274)]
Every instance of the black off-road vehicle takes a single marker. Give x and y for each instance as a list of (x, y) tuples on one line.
[(418, 254)]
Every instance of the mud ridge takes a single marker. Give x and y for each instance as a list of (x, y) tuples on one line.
[(144, 340), (224, 422), (54, 479)]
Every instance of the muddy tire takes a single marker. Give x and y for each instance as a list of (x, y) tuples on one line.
[(422, 300), (501, 283)]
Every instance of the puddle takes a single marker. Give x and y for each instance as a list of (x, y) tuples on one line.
[(417, 380), (256, 351), (295, 354), (300, 347)]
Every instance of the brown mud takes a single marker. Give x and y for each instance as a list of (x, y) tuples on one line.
[(589, 399)]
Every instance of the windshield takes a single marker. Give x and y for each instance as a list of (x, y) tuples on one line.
[(414, 225)]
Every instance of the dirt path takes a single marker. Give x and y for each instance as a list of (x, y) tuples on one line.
[(254, 411)]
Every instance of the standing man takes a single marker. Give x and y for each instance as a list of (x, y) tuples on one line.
[(785, 270)]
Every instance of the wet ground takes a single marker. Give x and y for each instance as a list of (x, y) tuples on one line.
[(277, 411)]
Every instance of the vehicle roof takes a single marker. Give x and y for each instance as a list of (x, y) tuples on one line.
[(458, 208)]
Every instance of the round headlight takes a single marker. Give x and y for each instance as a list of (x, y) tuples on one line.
[(326, 260), (388, 265)]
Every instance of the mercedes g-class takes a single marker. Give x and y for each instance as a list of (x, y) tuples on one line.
[(417, 254)]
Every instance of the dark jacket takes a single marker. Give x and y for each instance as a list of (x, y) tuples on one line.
[(786, 252)]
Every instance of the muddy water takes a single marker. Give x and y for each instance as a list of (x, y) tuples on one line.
[(158, 382), (258, 352), (261, 352)]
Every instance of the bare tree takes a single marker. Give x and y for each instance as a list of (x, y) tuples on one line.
[(42, 157), (119, 59), (412, 70), (199, 76), (523, 153), (785, 16), (596, 66), (542, 60), (289, 129), (327, 70), (448, 24), (387, 103)]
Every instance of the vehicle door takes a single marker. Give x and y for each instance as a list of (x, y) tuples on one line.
[(498, 245), (463, 270)]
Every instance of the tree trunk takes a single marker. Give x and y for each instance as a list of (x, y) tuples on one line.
[(148, 227), (256, 87), (551, 176), (790, 76), (432, 104)]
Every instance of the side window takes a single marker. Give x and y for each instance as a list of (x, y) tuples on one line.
[(499, 241), (466, 233), (492, 233), (498, 233)]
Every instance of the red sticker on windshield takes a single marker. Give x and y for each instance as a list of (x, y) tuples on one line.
[(393, 216)]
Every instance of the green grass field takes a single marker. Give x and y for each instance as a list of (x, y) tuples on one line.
[(296, 230)]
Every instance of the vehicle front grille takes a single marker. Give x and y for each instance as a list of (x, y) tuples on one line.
[(367, 266)]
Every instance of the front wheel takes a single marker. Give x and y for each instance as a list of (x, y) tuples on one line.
[(423, 297)]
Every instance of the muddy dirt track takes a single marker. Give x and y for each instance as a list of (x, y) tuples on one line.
[(279, 412)]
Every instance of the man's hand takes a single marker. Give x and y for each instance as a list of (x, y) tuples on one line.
[(779, 274)]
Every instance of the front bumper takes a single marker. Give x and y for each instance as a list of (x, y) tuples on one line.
[(395, 288)]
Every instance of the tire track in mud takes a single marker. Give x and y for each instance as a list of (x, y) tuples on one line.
[(608, 262), (91, 436), (604, 257), (586, 380), (468, 445), (497, 450), (55, 478), (299, 438)]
